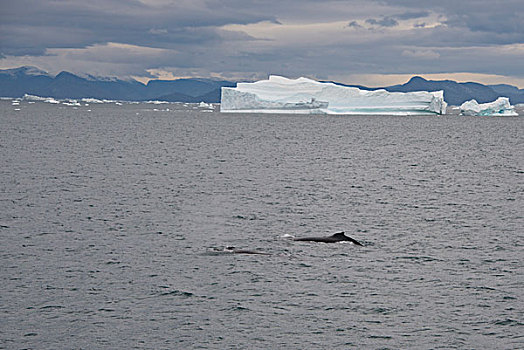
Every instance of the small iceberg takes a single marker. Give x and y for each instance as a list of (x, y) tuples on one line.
[(33, 98), (282, 95), (91, 100), (51, 100), (73, 103), (499, 107), (156, 102)]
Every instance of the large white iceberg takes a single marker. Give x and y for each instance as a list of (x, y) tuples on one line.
[(499, 107), (303, 95)]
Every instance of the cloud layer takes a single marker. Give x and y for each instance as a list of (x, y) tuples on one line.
[(239, 39)]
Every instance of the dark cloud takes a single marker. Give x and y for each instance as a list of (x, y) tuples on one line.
[(512, 23), (476, 15), (188, 36), (354, 24), (383, 22), (29, 27)]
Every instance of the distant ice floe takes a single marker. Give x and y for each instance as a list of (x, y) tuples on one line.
[(28, 97), (282, 95), (34, 98), (158, 102), (206, 107), (91, 100), (72, 103), (68, 101), (499, 107)]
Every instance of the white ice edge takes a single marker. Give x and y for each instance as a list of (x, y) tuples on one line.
[(499, 107), (306, 96)]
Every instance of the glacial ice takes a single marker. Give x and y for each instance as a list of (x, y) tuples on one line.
[(28, 97), (205, 105), (51, 100), (282, 95), (499, 107), (91, 100)]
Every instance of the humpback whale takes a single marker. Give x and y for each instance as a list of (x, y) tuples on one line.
[(337, 237)]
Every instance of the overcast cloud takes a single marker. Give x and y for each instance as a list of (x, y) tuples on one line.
[(365, 40)]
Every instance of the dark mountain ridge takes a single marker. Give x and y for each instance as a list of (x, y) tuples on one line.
[(33, 81), (457, 93)]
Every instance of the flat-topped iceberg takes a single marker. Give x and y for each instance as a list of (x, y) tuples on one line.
[(499, 107), (303, 95)]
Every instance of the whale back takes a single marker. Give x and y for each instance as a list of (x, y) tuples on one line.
[(339, 235), (336, 237)]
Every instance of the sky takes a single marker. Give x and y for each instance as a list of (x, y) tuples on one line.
[(368, 42)]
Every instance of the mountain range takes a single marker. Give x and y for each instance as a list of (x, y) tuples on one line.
[(33, 81)]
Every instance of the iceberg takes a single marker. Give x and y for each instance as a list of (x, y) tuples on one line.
[(282, 95), (51, 100), (91, 100), (28, 97), (205, 105), (73, 103), (499, 107)]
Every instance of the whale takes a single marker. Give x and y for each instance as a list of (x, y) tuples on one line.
[(334, 238)]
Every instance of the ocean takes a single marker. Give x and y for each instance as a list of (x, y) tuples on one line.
[(114, 221)]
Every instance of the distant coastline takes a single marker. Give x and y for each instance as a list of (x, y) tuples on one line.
[(20, 81)]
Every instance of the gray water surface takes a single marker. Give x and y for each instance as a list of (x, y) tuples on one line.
[(112, 220)]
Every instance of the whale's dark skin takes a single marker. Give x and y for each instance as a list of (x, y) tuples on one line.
[(337, 237), (244, 251)]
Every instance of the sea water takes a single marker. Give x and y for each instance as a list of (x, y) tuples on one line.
[(113, 218)]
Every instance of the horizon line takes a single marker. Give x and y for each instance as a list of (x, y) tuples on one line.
[(371, 80)]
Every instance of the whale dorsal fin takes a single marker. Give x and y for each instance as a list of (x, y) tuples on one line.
[(339, 234)]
